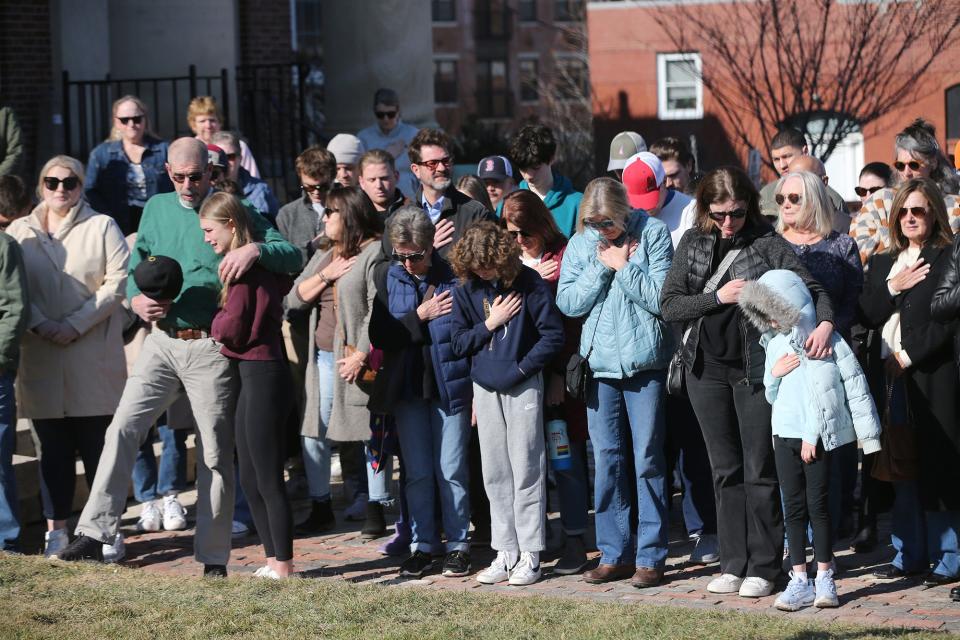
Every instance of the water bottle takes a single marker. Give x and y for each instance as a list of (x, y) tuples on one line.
[(558, 445)]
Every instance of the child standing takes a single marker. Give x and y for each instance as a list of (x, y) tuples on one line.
[(818, 405), (248, 326), (506, 321)]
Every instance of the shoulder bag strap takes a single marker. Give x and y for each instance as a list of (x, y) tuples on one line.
[(714, 280)]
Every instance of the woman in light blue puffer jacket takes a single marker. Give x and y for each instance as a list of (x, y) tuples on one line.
[(612, 273), (818, 405)]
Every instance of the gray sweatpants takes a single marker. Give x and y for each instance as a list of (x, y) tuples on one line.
[(165, 369), (510, 426)]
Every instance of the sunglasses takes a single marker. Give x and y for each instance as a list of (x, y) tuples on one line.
[(414, 258), (918, 212), (125, 120), (315, 188), (329, 211), (69, 184), (385, 114), (736, 214), (863, 192), (519, 234), (794, 198), (446, 161), (191, 177), (913, 164), (606, 223)]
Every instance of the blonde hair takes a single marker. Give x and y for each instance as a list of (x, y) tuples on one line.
[(203, 106), (67, 162), (816, 208), (604, 198), (115, 132), (226, 208)]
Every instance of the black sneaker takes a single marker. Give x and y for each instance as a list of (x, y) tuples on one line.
[(83, 548), (416, 565), (456, 564), (214, 571), (320, 520), (375, 525)]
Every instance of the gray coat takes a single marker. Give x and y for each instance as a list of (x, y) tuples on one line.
[(299, 223)]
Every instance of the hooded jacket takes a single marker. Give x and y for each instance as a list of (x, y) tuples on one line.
[(563, 201), (821, 399)]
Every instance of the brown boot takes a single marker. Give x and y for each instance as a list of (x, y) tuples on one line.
[(608, 573), (646, 577)]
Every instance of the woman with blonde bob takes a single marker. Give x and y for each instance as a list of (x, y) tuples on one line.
[(504, 319), (72, 368), (248, 327), (205, 118), (612, 272), (127, 169)]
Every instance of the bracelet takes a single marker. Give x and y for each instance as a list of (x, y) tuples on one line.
[(327, 281)]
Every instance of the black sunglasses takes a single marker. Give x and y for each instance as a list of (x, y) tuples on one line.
[(414, 258), (315, 188), (192, 177), (863, 192), (720, 216), (913, 164), (918, 212), (603, 224), (385, 114), (794, 198), (519, 234), (69, 184), (125, 120)]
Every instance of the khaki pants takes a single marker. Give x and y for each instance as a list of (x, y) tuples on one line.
[(165, 369)]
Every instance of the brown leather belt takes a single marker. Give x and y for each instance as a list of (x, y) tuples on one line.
[(187, 334)]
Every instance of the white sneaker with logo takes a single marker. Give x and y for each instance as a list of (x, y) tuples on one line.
[(150, 516), (174, 515), (527, 570)]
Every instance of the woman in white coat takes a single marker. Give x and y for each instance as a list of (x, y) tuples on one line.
[(72, 367)]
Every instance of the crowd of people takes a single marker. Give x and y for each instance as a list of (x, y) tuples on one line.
[(785, 360)]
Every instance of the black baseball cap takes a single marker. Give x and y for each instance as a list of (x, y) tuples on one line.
[(159, 278), (494, 168)]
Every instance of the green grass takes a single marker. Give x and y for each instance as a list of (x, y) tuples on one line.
[(40, 599)]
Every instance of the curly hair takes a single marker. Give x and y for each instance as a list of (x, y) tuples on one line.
[(486, 245), (533, 146), (424, 137), (203, 106)]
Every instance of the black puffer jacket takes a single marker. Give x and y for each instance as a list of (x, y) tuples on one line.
[(946, 297), (682, 298)]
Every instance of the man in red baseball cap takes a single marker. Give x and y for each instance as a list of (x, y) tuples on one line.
[(643, 177)]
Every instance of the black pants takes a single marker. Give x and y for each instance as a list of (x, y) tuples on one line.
[(805, 488), (61, 439), (262, 406), (687, 453), (479, 503), (735, 419)]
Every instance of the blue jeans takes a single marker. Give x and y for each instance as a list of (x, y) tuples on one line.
[(619, 411), (316, 451), (9, 504), (573, 491), (151, 482), (434, 449), (943, 528), (378, 481), (908, 529)]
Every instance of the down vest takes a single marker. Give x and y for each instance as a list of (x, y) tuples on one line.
[(827, 399), (683, 299), (621, 307)]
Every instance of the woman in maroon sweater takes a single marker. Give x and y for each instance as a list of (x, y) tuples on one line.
[(248, 326)]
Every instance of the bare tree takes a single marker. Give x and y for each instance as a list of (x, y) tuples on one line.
[(827, 67)]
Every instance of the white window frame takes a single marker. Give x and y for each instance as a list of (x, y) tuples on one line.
[(455, 58), (663, 110), (536, 58)]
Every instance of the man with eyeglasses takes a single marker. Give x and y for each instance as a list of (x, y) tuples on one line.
[(301, 221), (392, 135), (179, 357), (788, 145), (450, 210)]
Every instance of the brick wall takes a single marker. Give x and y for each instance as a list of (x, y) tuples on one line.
[(25, 76), (264, 31)]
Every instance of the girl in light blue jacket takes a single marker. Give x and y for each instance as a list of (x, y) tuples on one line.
[(818, 405)]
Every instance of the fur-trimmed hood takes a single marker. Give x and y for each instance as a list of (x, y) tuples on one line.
[(779, 302)]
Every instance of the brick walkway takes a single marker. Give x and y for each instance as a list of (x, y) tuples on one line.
[(342, 555)]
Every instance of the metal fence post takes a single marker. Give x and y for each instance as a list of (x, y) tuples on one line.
[(193, 81), (225, 97), (67, 133)]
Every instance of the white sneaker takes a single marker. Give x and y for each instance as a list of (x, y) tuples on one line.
[(115, 552), (54, 542), (725, 583), (706, 550), (174, 515), (527, 570), (238, 529), (150, 516), (357, 510), (266, 572), (498, 571), (754, 587)]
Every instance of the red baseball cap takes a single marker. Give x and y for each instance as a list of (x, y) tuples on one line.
[(642, 177)]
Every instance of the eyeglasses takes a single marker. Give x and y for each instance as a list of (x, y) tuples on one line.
[(863, 192), (913, 164), (918, 212), (315, 188), (330, 210), (69, 184), (606, 223), (522, 234), (125, 120), (446, 161), (385, 114), (736, 214), (414, 258), (192, 177), (794, 198)]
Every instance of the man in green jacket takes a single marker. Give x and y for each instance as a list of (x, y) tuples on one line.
[(11, 149), (179, 356)]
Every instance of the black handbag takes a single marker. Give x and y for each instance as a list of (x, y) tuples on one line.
[(676, 372), (578, 374)]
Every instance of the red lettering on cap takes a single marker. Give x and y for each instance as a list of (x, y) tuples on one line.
[(489, 165)]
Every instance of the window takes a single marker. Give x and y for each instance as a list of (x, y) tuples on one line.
[(573, 79), (568, 10), (444, 10), (493, 91), (529, 79), (492, 20), (953, 112), (445, 81), (679, 86), (309, 28), (527, 10)]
